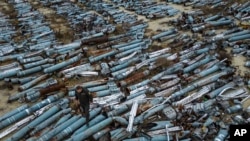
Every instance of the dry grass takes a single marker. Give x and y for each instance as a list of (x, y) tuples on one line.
[(221, 9), (9, 10), (57, 23), (224, 54), (120, 29), (240, 1)]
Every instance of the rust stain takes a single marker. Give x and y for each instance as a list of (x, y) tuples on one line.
[(99, 52), (133, 78), (52, 88), (95, 40)]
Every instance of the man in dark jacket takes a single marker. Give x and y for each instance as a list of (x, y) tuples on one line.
[(82, 95)]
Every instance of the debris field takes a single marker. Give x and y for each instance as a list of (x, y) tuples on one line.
[(156, 70)]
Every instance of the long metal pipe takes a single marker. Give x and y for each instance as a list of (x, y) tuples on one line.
[(13, 112), (27, 112), (70, 129), (18, 135), (49, 121), (92, 130), (33, 82), (62, 64)]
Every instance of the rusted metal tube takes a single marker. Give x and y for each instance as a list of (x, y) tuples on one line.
[(95, 40), (134, 78), (95, 83), (52, 88)]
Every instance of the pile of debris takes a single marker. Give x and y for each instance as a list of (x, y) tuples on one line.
[(148, 8), (185, 89)]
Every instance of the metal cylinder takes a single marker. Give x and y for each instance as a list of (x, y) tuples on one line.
[(92, 130), (62, 64), (93, 122), (33, 82), (99, 134), (221, 136), (98, 58), (49, 121), (234, 109), (18, 135), (49, 135), (9, 73), (37, 63), (27, 112), (134, 78), (32, 59), (32, 70), (166, 33), (13, 112), (237, 38)]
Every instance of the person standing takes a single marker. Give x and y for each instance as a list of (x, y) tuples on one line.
[(82, 95)]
